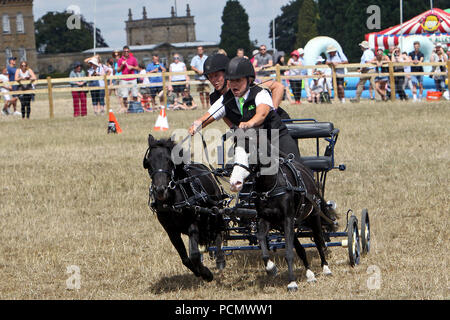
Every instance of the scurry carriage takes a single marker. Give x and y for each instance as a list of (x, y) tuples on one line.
[(241, 219)]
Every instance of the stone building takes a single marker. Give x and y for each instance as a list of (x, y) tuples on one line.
[(163, 36), (17, 32), (172, 29)]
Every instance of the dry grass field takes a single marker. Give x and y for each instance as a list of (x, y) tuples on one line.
[(70, 194)]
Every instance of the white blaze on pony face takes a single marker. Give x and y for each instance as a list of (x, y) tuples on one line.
[(239, 174)]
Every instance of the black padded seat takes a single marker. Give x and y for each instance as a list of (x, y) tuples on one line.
[(318, 163), (310, 130)]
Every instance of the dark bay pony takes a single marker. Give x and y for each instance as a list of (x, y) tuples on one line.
[(284, 200), (175, 191)]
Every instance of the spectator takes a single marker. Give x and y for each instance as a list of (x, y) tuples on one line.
[(316, 88), (12, 75), (178, 66), (296, 84), (334, 59), (381, 81), (25, 73), (221, 51), (127, 64), (156, 82), (439, 55), (188, 102), (254, 53), (240, 53), (326, 74), (417, 57), (285, 82), (97, 95), (408, 82), (78, 97), (116, 55), (4, 77), (197, 65), (144, 90), (172, 99), (109, 68), (367, 56), (303, 72), (262, 61), (399, 80)]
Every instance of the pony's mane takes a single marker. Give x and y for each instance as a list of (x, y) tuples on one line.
[(164, 143)]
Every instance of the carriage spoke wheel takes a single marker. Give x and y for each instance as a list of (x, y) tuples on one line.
[(365, 232), (353, 241)]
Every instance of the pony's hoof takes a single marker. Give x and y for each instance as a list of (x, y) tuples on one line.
[(310, 277), (271, 269), (292, 287), (326, 271), (207, 275)]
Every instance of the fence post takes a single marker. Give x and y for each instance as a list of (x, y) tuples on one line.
[(392, 80), (164, 89), (278, 73), (335, 86), (50, 97), (107, 98), (448, 76)]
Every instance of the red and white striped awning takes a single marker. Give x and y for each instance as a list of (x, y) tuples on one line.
[(434, 24)]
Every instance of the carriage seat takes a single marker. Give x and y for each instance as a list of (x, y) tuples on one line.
[(321, 163), (311, 130)]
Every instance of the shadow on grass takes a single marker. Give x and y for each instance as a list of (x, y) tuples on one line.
[(176, 283)]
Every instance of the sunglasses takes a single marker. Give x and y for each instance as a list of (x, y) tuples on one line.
[(176, 58)]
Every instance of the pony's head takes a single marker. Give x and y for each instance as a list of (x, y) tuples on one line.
[(160, 166), (241, 169), (253, 153)]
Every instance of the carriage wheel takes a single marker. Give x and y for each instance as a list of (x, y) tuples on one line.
[(353, 241), (365, 232)]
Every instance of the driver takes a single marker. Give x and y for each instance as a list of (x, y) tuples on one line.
[(214, 69), (247, 106)]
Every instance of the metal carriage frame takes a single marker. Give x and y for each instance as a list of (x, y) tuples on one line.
[(242, 217)]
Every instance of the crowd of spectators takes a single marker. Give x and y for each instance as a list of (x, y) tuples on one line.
[(178, 94), (26, 77)]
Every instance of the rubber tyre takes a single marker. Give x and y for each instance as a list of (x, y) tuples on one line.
[(365, 232), (354, 249)]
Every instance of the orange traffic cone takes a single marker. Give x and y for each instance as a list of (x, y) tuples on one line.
[(161, 123), (113, 125)]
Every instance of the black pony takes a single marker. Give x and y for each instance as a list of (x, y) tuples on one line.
[(174, 193), (284, 201)]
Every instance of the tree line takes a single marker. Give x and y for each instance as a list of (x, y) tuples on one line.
[(299, 21)]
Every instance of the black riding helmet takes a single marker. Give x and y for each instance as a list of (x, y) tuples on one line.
[(214, 63), (239, 68)]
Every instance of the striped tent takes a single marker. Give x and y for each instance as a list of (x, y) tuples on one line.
[(434, 23)]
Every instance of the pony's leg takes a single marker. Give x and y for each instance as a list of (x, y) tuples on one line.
[(289, 238), (263, 230), (220, 255), (310, 277), (177, 242), (320, 243), (194, 253)]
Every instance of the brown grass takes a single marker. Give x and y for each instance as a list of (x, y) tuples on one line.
[(72, 195)]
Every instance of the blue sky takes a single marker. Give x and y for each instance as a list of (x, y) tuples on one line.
[(111, 15)]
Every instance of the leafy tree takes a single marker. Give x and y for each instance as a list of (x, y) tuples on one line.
[(346, 22), (235, 29), (286, 26), (307, 23), (53, 35)]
